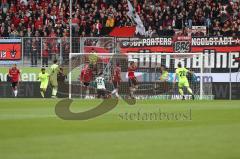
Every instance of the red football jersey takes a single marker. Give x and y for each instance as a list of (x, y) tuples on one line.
[(117, 74), (15, 74), (131, 71), (86, 75)]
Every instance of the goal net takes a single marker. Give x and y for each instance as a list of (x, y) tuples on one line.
[(155, 74)]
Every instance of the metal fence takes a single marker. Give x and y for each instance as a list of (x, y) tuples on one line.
[(41, 51)]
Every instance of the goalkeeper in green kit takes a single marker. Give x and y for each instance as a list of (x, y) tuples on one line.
[(181, 74), (164, 78), (54, 70)]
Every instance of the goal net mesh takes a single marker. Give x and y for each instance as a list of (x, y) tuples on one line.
[(149, 74)]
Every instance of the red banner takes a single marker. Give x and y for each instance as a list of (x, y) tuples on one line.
[(10, 49)]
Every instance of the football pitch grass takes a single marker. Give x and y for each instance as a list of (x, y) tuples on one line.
[(29, 129)]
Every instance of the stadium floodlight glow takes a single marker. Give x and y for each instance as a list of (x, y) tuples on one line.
[(148, 73)]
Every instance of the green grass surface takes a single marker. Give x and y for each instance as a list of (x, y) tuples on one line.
[(29, 129)]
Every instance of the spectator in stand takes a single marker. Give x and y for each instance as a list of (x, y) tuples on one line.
[(4, 6), (34, 54), (226, 30), (75, 22), (198, 33), (54, 47), (98, 28), (44, 18), (150, 32), (110, 22), (161, 31), (45, 55)]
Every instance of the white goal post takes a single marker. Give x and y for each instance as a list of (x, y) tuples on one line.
[(149, 69)]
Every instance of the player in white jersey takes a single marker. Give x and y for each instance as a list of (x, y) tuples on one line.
[(101, 89)]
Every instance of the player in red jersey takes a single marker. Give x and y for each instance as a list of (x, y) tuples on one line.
[(132, 80), (86, 77), (116, 79), (14, 75)]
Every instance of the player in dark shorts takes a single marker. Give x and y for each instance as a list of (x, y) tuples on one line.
[(132, 80), (86, 78), (14, 78), (86, 84), (116, 79)]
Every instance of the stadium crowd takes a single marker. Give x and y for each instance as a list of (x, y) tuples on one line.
[(50, 18)]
